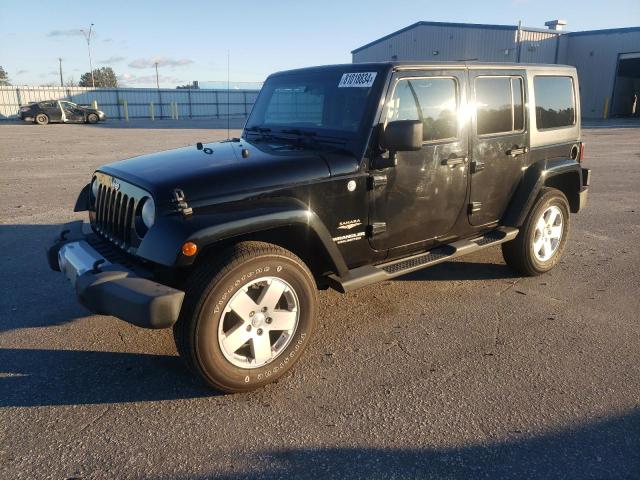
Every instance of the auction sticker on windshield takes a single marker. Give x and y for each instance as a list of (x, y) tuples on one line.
[(357, 79)]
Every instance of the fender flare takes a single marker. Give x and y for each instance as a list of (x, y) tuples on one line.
[(163, 242), (533, 180)]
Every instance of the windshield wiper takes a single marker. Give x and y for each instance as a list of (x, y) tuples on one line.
[(264, 132)]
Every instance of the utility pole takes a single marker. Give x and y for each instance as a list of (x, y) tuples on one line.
[(87, 37), (157, 77), (60, 62)]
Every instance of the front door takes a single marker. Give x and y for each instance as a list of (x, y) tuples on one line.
[(72, 113), (422, 196), (499, 141)]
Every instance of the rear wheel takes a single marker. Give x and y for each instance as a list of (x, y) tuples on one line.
[(41, 119), (543, 236), (247, 318), (92, 118)]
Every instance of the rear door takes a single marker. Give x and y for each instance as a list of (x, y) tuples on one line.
[(499, 141), (52, 109)]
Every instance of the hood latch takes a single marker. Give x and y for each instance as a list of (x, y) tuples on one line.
[(180, 204)]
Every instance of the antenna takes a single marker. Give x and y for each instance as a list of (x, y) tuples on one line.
[(228, 94)]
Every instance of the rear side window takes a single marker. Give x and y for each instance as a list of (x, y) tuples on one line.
[(433, 101), (555, 102), (499, 105)]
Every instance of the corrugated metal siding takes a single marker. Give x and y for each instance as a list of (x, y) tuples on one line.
[(191, 103), (596, 58), (451, 43), (538, 47), (454, 43)]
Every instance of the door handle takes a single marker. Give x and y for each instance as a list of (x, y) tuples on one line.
[(515, 151), (477, 166), (454, 160)]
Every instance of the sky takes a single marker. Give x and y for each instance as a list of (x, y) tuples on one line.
[(190, 39)]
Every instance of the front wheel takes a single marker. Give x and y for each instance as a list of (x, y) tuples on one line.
[(543, 236), (247, 317), (42, 119), (92, 118)]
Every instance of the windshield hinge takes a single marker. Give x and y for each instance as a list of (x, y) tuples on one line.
[(377, 180), (376, 228)]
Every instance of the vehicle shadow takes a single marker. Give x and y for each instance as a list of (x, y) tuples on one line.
[(601, 449), (32, 377), (33, 295), (459, 270)]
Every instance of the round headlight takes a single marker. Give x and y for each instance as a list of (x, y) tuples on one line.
[(94, 189), (148, 213)]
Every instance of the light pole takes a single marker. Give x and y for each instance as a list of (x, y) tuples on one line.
[(87, 37), (60, 62), (157, 77)]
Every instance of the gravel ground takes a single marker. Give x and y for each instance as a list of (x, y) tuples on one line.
[(459, 371)]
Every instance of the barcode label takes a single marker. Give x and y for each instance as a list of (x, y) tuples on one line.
[(357, 79)]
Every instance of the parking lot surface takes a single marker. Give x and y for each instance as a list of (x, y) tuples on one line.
[(464, 370)]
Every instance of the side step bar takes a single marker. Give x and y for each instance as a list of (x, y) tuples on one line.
[(368, 274)]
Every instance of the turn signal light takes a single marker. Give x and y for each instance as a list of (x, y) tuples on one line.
[(189, 249)]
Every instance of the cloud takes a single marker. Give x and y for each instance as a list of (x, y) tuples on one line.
[(130, 79), (112, 60), (22, 72), (108, 40), (65, 33), (161, 61)]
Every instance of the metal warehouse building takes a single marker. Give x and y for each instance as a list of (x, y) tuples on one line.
[(608, 61)]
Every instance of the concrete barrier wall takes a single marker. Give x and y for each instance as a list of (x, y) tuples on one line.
[(191, 103)]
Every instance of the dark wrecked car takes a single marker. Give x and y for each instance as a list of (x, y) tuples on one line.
[(60, 111)]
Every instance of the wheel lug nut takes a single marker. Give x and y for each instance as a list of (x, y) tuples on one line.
[(248, 328), (264, 309), (251, 314), (268, 320), (259, 332)]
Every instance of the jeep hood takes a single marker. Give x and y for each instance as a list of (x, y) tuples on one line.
[(220, 169)]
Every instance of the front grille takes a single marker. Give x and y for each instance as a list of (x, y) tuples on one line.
[(115, 209)]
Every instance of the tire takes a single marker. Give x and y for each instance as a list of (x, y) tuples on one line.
[(219, 313), (92, 118), (543, 235), (41, 119)]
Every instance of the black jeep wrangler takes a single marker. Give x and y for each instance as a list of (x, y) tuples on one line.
[(344, 176)]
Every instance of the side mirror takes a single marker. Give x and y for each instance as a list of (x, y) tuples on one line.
[(402, 136)]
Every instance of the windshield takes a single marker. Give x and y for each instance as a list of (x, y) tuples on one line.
[(322, 101)]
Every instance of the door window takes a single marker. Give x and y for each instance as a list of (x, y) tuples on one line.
[(433, 101), (499, 105), (555, 106)]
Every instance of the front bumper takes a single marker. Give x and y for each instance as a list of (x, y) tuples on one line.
[(110, 288)]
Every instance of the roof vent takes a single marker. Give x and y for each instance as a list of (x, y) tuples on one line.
[(556, 24)]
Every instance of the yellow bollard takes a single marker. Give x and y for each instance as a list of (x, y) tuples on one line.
[(605, 112), (126, 110), (94, 104), (152, 111), (176, 104)]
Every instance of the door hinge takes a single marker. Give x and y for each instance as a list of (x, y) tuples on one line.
[(475, 207), (376, 181), (376, 228)]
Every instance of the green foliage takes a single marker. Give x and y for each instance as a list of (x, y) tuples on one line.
[(104, 77), (4, 78)]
